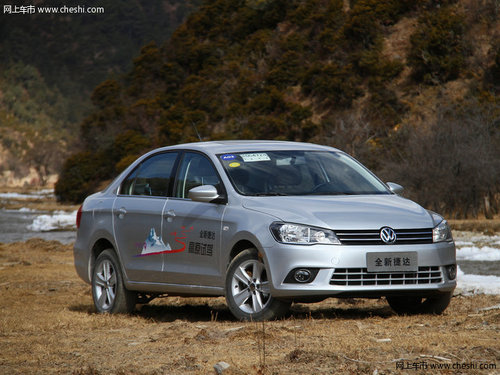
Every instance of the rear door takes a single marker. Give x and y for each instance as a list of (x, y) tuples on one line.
[(137, 217), (193, 228)]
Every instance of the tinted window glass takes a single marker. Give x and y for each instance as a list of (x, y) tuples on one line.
[(299, 173), (195, 170), (152, 177)]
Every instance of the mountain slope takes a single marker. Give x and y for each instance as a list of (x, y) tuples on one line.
[(371, 77)]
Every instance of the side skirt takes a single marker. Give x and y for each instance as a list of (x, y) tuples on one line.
[(176, 289)]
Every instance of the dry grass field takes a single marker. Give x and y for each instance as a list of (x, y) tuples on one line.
[(48, 325)]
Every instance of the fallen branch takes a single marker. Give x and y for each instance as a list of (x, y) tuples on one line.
[(496, 307), (368, 362), (435, 357)]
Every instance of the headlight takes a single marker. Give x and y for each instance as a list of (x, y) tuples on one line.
[(441, 232), (302, 235)]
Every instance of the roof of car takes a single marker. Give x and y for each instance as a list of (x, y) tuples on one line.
[(217, 147)]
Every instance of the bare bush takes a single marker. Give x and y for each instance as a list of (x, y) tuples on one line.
[(350, 133), (453, 164)]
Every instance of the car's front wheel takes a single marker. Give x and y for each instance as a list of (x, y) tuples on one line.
[(418, 305), (108, 291), (248, 292)]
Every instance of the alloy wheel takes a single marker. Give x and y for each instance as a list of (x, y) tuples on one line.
[(250, 287), (105, 284)]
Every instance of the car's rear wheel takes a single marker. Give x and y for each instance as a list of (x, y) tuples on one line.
[(108, 291), (418, 305), (248, 292)]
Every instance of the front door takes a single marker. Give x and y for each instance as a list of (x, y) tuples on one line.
[(193, 228)]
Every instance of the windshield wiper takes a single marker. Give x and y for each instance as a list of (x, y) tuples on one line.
[(269, 194), (330, 193)]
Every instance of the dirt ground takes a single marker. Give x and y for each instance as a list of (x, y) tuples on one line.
[(48, 325)]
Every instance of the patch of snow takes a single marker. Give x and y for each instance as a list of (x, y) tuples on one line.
[(56, 220), (485, 253), (40, 194), (476, 284)]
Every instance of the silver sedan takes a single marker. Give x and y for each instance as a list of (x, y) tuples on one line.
[(263, 223)]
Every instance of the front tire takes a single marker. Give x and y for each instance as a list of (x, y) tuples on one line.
[(418, 305), (108, 292), (248, 292)]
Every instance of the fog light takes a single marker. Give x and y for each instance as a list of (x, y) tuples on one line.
[(302, 275), (451, 270)]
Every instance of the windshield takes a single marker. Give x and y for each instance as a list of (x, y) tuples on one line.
[(299, 173)]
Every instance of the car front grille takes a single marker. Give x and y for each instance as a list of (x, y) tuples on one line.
[(372, 237), (361, 277)]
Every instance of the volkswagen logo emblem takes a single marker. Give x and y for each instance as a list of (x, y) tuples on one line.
[(387, 235)]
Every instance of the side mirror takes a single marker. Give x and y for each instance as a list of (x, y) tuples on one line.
[(395, 188), (203, 193)]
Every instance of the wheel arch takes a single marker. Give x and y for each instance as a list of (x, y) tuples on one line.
[(237, 248), (99, 246)]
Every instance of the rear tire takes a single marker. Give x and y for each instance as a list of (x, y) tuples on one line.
[(418, 305), (248, 292), (108, 292)]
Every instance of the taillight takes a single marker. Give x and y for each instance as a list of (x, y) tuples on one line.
[(78, 217)]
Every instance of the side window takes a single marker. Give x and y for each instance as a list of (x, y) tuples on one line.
[(195, 170), (152, 177)]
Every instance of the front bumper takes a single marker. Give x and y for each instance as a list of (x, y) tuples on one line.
[(342, 271)]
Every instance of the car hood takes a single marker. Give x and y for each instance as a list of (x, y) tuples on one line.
[(344, 212)]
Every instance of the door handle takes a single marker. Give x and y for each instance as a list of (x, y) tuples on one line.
[(170, 213), (121, 213)]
